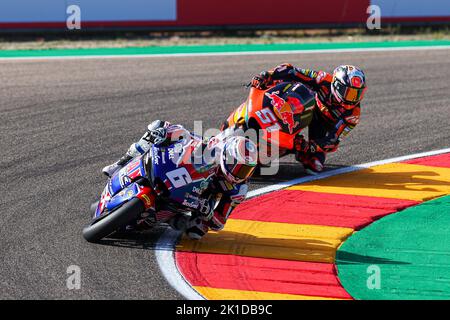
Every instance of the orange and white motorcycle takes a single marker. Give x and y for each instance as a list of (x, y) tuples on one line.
[(278, 114)]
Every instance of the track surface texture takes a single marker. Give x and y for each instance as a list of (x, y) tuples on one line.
[(62, 120)]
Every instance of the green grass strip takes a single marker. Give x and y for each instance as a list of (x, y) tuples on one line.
[(229, 48)]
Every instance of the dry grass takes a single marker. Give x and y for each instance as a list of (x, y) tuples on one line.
[(26, 42)]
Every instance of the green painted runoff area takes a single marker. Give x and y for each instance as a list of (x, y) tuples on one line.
[(402, 256)]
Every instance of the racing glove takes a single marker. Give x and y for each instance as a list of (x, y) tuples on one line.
[(262, 81), (300, 144), (157, 136), (156, 132)]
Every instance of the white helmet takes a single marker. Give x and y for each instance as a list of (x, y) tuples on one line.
[(238, 159), (348, 85)]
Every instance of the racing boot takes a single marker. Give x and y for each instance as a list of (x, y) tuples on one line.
[(194, 228), (197, 228), (136, 149), (112, 168), (313, 166)]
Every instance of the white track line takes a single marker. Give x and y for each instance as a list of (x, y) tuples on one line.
[(243, 53), (330, 173), (165, 247)]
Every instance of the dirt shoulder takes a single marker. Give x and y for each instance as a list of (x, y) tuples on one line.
[(30, 42)]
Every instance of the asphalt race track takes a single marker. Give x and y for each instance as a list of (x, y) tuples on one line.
[(63, 120)]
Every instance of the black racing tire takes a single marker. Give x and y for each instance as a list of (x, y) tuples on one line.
[(93, 207), (127, 213)]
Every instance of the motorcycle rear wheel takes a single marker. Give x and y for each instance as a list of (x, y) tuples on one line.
[(123, 216)]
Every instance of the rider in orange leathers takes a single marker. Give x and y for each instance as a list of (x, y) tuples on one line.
[(337, 112)]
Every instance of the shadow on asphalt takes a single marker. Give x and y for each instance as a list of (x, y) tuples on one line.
[(135, 240), (286, 172)]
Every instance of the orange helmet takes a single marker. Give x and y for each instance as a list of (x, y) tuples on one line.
[(348, 85)]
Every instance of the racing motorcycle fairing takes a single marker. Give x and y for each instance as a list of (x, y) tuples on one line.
[(285, 108), (122, 188), (183, 171), (132, 171)]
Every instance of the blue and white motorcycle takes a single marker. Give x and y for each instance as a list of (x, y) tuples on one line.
[(164, 182)]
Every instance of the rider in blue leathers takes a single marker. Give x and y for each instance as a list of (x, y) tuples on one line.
[(237, 162)]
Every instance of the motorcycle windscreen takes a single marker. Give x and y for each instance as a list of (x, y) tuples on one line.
[(121, 179)]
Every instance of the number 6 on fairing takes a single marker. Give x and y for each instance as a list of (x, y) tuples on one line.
[(179, 177)]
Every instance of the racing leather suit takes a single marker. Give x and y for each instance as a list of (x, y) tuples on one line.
[(226, 194), (331, 120)]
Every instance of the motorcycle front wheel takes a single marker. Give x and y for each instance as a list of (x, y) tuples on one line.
[(123, 216)]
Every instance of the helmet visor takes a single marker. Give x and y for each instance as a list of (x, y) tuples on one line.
[(348, 94), (242, 171), (239, 159)]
